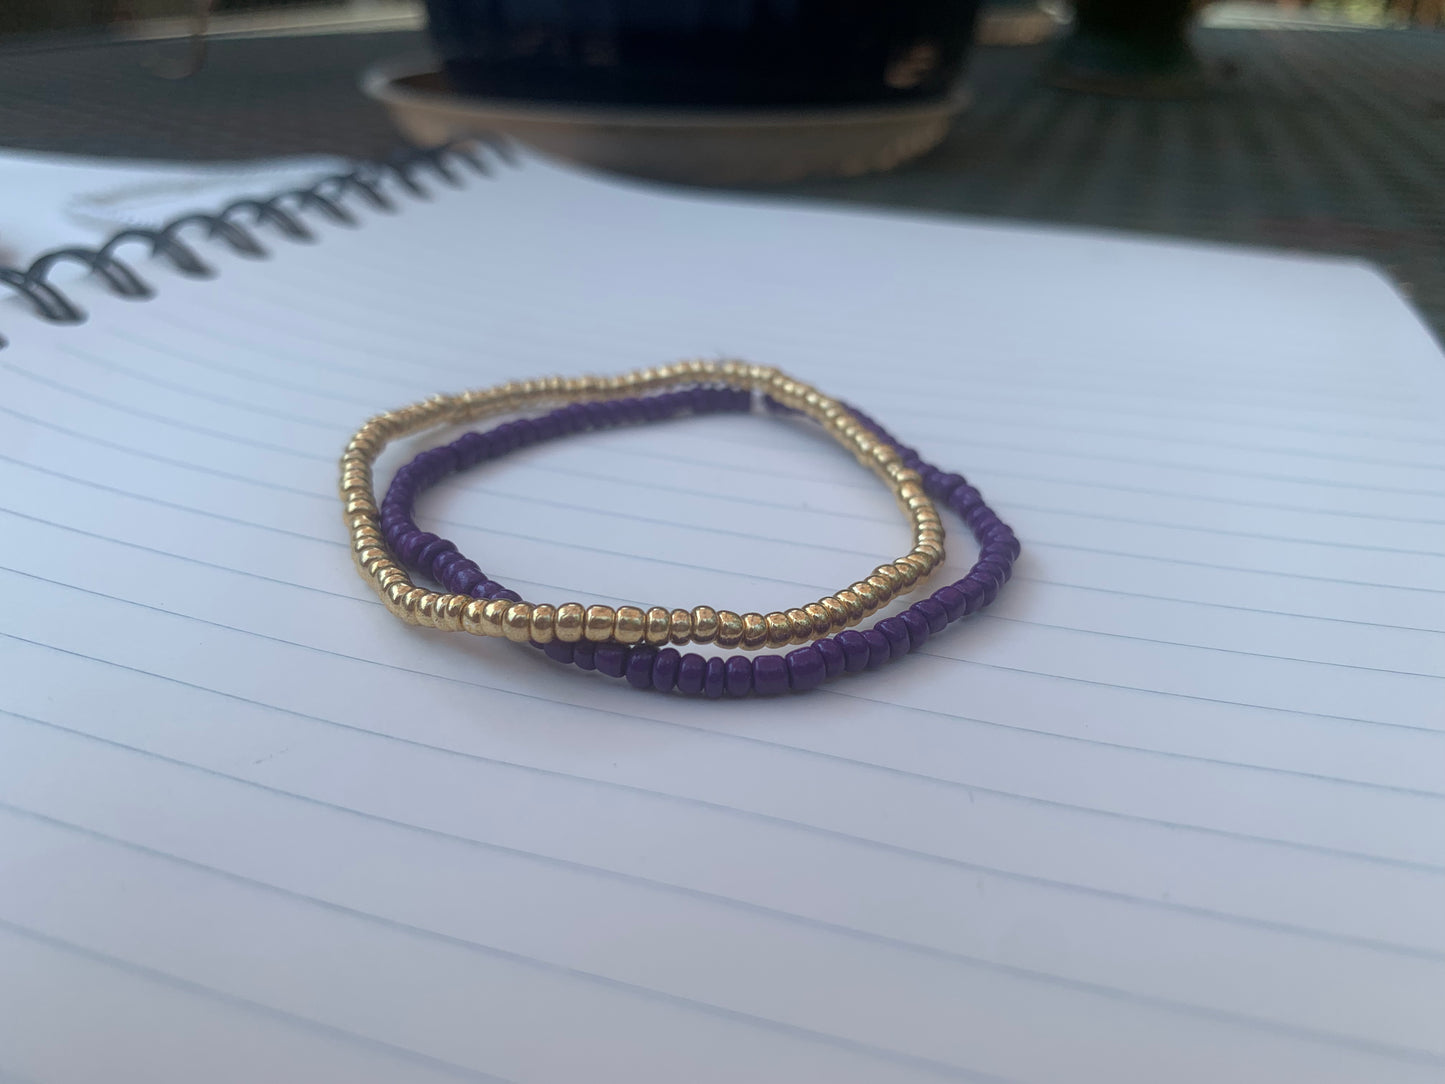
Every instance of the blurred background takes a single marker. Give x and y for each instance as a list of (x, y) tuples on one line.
[(1315, 126)]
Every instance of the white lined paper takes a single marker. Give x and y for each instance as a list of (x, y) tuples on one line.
[(1177, 806)]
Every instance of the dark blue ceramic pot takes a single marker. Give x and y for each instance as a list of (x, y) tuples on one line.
[(723, 53)]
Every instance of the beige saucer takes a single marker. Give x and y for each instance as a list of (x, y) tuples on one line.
[(698, 146)]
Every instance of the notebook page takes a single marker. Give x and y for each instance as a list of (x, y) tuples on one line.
[(1171, 810)]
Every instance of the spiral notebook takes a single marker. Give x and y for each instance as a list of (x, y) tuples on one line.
[(1173, 810)]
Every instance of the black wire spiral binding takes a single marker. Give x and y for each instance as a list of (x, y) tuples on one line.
[(233, 225)]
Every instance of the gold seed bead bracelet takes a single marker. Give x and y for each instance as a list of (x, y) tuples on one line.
[(572, 622)]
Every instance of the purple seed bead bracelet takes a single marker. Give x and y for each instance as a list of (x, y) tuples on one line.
[(645, 666)]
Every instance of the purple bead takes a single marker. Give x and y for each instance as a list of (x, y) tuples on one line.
[(987, 587), (933, 612), (444, 562), (413, 544), (691, 673), (917, 626), (715, 680), (611, 659), (1000, 565), (471, 449), (448, 579), (465, 581), (896, 633), (954, 602), (979, 519), (639, 666), (585, 655), (444, 459), (965, 499), (833, 661), (855, 650), (738, 671), (973, 592), (510, 596), (397, 536), (445, 568), (987, 570), (803, 669), (664, 669), (996, 551), (770, 674), (878, 649), (947, 483), (427, 556), (559, 651)]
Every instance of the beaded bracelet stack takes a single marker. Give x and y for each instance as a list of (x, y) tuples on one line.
[(634, 642)]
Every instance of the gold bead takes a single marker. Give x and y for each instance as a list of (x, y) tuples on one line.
[(836, 612), (371, 553), (755, 630), (882, 586), (599, 623), (472, 618), (450, 610), (571, 618), (375, 567), (867, 595), (852, 603), (629, 625), (907, 572), (426, 610), (680, 630), (778, 628), (544, 624), (494, 615), (659, 626), (890, 576), (801, 623), (393, 593), (706, 625), (409, 602), (924, 562), (729, 628), (517, 622)]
